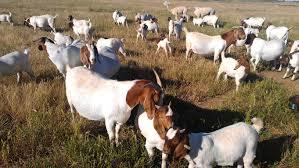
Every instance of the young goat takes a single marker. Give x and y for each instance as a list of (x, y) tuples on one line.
[(292, 63), (165, 44), (253, 22), (109, 100), (175, 27), (236, 143), (115, 15), (142, 32), (80, 27), (206, 45), (6, 18), (16, 63), (154, 131), (237, 69), (42, 21)]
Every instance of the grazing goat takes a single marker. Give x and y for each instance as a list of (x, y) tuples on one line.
[(122, 20), (42, 21), (198, 21), (61, 55), (61, 39), (115, 43), (203, 11), (155, 130), (266, 50), (108, 99), (165, 44), (236, 143), (253, 22), (175, 27), (176, 11), (277, 33), (115, 15), (140, 17), (211, 20), (6, 18), (101, 58), (295, 46), (80, 27), (292, 63), (16, 63), (205, 45), (237, 69)]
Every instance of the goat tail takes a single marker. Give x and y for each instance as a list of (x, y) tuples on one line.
[(158, 79), (257, 124), (89, 25), (185, 30), (26, 51)]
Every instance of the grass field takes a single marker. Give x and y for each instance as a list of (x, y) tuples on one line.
[(35, 122)]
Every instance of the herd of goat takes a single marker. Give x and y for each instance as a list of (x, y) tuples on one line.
[(113, 100)]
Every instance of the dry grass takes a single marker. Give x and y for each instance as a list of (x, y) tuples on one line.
[(35, 125)]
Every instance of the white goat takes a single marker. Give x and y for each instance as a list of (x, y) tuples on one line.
[(122, 20), (175, 27), (61, 55), (295, 46), (211, 20), (140, 17), (237, 69), (206, 45), (165, 44), (6, 18), (203, 11), (293, 63), (16, 63), (266, 50), (236, 143), (116, 14), (114, 43), (42, 21), (253, 22), (80, 27), (155, 130), (278, 33), (109, 100), (198, 21), (60, 39)]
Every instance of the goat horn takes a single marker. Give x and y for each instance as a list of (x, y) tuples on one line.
[(158, 79)]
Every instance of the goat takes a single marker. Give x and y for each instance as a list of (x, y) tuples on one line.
[(61, 39), (108, 99), (142, 32), (203, 11), (204, 44), (251, 34), (198, 21), (266, 50), (175, 27), (176, 11), (6, 18), (16, 63), (122, 20), (211, 20), (165, 44), (292, 63), (61, 55), (236, 143), (295, 46), (155, 130), (80, 27), (253, 22), (140, 17), (115, 15), (42, 21), (278, 33), (114, 43), (237, 69)]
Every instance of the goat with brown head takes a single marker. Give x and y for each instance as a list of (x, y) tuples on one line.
[(233, 35)]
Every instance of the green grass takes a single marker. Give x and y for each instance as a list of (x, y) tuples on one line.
[(36, 129)]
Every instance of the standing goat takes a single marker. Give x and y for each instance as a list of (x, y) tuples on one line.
[(236, 143), (203, 11), (80, 27), (277, 33), (109, 100), (293, 63), (42, 21), (115, 15), (175, 27), (60, 55), (165, 44), (176, 11), (295, 46), (6, 18), (253, 22), (206, 45), (16, 63)]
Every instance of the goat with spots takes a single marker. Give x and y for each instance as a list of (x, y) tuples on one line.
[(236, 143), (109, 100)]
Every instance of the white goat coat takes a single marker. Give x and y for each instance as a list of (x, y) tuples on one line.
[(151, 26), (294, 62), (116, 14), (60, 39), (266, 50), (225, 146), (254, 21), (15, 62), (61, 56), (122, 20), (42, 21), (197, 21), (114, 43), (210, 20), (295, 46), (277, 33), (204, 44), (81, 27)]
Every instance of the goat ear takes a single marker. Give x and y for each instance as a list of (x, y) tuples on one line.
[(159, 128), (149, 104)]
